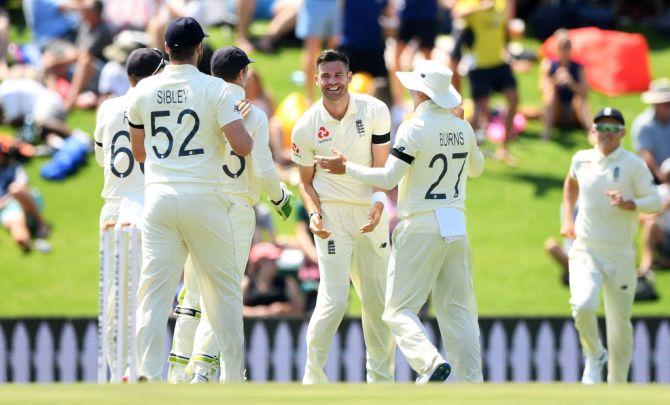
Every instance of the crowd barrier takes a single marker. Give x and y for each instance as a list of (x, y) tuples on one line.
[(513, 349)]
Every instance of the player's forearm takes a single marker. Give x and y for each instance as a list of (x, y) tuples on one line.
[(570, 195), (310, 198), (380, 155), (386, 177)]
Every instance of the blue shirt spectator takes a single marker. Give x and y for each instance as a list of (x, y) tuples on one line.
[(418, 10), (49, 20), (360, 28)]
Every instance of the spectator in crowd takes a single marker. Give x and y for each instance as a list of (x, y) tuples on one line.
[(265, 292), (129, 14), (318, 21), (281, 13), (25, 101), (19, 205), (363, 42), (113, 77), (86, 57), (487, 19), (4, 38), (51, 21), (564, 89), (170, 11), (651, 129)]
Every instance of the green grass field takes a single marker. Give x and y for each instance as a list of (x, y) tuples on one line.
[(537, 394), (510, 210)]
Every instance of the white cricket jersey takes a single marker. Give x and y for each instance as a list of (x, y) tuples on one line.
[(123, 175), (182, 111), (442, 151), (599, 223), (242, 175), (367, 120)]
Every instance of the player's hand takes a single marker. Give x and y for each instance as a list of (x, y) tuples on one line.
[(374, 216), (619, 201), (458, 111), (335, 164), (243, 106), (317, 227), (568, 229), (285, 205)]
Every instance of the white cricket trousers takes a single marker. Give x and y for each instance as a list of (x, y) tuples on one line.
[(363, 257), (108, 215), (180, 221), (421, 262), (194, 338), (613, 270)]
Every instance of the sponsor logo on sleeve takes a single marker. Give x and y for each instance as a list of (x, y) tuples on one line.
[(295, 149)]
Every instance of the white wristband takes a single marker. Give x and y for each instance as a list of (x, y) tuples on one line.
[(378, 196)]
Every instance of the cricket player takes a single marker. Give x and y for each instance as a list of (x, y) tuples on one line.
[(348, 220), (123, 177), (180, 120), (612, 186), (244, 178), (433, 155)]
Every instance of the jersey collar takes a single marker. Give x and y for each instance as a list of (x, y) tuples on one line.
[(186, 68), (425, 106), (612, 156), (352, 109)]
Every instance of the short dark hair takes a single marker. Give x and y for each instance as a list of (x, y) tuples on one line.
[(332, 55), (180, 54)]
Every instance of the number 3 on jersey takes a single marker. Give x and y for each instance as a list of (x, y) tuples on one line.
[(183, 151), (445, 165)]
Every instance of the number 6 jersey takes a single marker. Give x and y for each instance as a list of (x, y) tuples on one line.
[(182, 112), (123, 175)]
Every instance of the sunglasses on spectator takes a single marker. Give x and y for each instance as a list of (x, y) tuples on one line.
[(609, 127)]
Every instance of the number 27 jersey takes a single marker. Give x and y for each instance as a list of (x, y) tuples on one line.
[(442, 152), (123, 175)]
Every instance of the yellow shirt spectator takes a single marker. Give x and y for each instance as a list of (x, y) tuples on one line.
[(488, 21)]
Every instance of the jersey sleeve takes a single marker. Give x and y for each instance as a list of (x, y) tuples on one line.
[(406, 146), (646, 198), (573, 166), (302, 152), (226, 111), (97, 135), (476, 160), (261, 157), (381, 126), (135, 111)]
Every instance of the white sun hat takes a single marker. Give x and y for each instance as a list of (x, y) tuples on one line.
[(658, 93), (434, 80)]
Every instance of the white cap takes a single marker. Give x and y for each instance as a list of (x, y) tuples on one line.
[(434, 80)]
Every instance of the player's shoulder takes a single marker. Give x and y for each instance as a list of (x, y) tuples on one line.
[(584, 154), (257, 116), (113, 106), (367, 101), (632, 158), (308, 118)]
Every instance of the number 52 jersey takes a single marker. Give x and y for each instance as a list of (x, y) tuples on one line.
[(182, 112), (123, 175), (442, 152)]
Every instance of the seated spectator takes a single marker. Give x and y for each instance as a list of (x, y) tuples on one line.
[(170, 11), (86, 57), (651, 128), (281, 13), (265, 292), (19, 205), (113, 77), (24, 101), (564, 89), (50, 21)]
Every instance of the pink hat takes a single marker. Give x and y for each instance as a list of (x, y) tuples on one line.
[(264, 250)]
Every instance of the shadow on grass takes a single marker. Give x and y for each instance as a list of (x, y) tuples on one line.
[(542, 183)]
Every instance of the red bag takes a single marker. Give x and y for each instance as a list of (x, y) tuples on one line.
[(615, 62)]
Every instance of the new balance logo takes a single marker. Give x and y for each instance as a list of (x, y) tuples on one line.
[(359, 127), (383, 245), (331, 247)]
